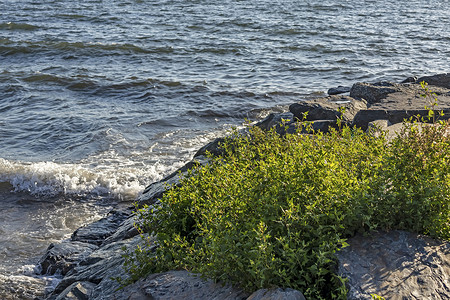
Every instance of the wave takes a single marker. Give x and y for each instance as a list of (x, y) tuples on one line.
[(17, 26), (52, 179)]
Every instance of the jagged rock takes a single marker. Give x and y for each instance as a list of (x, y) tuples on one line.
[(125, 231), (95, 233), (212, 147), (77, 291), (411, 79), (441, 80), (277, 294), (178, 285), (15, 287), (328, 108), (62, 257), (402, 102), (156, 190), (396, 265), (338, 90), (373, 93), (101, 265), (279, 121)]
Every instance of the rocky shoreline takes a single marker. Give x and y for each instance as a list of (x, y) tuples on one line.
[(396, 264)]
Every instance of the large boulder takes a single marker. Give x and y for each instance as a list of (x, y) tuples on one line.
[(178, 285), (95, 233), (396, 265), (373, 93), (77, 291), (61, 258), (328, 108), (99, 267), (441, 80), (277, 294)]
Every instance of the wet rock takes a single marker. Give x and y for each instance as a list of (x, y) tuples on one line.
[(282, 122), (100, 266), (21, 287), (441, 80), (61, 258), (212, 147), (125, 231), (277, 294), (328, 108), (178, 285), (156, 190), (396, 265), (77, 291), (338, 90), (95, 233)]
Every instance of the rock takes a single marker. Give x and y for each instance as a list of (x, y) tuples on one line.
[(156, 190), (338, 90), (373, 93), (282, 122), (100, 266), (61, 258), (212, 147), (277, 294), (125, 231), (328, 108), (95, 233), (77, 291), (441, 80), (178, 285), (21, 287), (396, 265), (410, 80)]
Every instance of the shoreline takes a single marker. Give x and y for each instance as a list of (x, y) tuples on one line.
[(93, 254)]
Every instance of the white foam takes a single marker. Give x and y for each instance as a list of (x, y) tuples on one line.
[(111, 173)]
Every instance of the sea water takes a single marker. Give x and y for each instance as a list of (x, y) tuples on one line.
[(99, 98)]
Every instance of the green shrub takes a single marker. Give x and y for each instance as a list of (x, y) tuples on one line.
[(273, 210)]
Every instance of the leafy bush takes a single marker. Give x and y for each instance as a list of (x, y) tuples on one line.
[(273, 210)]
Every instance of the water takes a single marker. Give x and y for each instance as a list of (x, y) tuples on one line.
[(100, 98)]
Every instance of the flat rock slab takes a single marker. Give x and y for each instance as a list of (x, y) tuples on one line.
[(61, 258), (327, 108), (396, 265), (277, 294), (95, 233), (178, 285)]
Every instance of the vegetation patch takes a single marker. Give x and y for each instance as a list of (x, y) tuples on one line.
[(273, 210)]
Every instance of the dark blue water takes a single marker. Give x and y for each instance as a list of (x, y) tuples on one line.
[(100, 98)]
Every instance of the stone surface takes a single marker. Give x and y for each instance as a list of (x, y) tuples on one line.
[(125, 231), (100, 266), (328, 108), (156, 190), (178, 285), (338, 90), (21, 287), (95, 233), (61, 258), (396, 265), (282, 122), (373, 93), (277, 294), (441, 80), (77, 291)]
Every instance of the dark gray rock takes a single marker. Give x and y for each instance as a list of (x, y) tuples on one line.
[(77, 291), (100, 266), (61, 258), (328, 108), (277, 294), (212, 148), (441, 80), (373, 93), (178, 285), (282, 122), (95, 233), (410, 80), (396, 265), (125, 231), (338, 90), (156, 190)]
